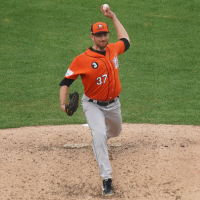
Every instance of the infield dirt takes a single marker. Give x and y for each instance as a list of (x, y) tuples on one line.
[(157, 162)]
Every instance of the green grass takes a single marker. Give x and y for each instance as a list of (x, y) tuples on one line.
[(159, 73)]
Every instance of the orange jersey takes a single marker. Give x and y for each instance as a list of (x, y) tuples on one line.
[(99, 73)]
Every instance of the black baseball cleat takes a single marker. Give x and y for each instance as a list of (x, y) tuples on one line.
[(107, 188)]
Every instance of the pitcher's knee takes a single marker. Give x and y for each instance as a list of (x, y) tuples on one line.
[(118, 132), (114, 133)]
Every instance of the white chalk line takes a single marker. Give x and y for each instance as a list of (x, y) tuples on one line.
[(82, 145)]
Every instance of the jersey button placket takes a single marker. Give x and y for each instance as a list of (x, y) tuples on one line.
[(112, 82)]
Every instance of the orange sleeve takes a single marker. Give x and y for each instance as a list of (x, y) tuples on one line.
[(75, 69), (119, 46)]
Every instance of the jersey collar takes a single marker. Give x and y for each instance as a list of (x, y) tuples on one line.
[(93, 53)]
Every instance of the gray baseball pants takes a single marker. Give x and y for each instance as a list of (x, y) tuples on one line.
[(105, 122)]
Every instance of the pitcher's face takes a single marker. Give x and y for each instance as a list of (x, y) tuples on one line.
[(100, 41)]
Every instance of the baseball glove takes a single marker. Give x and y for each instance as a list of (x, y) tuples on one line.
[(72, 105)]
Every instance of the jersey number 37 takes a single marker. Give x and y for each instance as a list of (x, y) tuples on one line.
[(101, 79)]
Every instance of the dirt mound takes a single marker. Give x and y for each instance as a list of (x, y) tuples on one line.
[(57, 162)]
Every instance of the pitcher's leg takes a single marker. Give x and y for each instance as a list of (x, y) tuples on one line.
[(113, 122), (96, 121)]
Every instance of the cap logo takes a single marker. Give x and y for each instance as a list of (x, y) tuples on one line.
[(100, 26)]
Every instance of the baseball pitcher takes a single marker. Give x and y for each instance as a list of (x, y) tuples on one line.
[(98, 67)]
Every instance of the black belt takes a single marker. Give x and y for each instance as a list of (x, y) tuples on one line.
[(103, 103)]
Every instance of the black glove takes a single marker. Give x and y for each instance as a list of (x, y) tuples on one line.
[(72, 105)]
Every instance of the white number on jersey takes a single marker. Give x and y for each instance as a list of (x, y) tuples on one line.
[(101, 79)]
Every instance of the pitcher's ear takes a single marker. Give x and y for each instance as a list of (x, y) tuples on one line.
[(92, 37)]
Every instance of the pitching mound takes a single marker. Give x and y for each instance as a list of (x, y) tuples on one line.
[(157, 162)]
